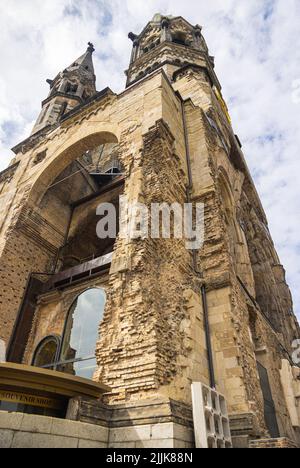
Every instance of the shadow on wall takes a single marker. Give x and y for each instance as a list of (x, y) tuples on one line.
[(2, 351)]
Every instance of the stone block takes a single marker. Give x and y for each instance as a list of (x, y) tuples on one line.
[(10, 420), (156, 444), (163, 431), (6, 438), (90, 444), (42, 441), (120, 445), (91, 432), (130, 434), (181, 444), (36, 424), (184, 433), (79, 430)]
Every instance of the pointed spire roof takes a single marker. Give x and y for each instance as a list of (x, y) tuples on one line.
[(85, 61)]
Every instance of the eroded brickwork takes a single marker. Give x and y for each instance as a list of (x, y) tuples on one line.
[(170, 135), (149, 299)]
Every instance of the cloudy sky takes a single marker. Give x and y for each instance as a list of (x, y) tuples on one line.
[(257, 48)]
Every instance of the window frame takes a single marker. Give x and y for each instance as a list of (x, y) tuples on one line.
[(60, 340), (44, 341)]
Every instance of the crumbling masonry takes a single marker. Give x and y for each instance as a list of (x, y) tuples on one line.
[(167, 138)]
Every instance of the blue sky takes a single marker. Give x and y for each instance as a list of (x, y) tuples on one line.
[(257, 48)]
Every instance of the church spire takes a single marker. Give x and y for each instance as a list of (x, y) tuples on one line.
[(85, 62), (72, 87)]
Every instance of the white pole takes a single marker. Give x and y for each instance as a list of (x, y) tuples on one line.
[(2, 351)]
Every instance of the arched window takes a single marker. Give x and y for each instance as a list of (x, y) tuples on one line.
[(47, 352), (76, 355)]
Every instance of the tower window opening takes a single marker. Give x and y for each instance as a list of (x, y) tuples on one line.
[(152, 46), (71, 88), (180, 39)]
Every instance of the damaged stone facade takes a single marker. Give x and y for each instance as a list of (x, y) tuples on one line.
[(169, 138)]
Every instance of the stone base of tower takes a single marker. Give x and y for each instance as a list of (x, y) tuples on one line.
[(144, 424), (147, 424), (89, 424)]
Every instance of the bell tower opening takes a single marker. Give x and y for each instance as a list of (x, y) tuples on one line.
[(179, 39)]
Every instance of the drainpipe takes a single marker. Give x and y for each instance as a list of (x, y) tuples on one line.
[(211, 369), (210, 357)]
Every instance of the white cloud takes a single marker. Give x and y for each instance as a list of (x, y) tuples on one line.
[(256, 44)]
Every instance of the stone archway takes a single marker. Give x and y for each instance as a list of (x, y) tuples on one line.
[(31, 241), (61, 158)]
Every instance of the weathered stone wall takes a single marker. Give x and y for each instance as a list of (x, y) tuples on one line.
[(20, 257), (282, 443), (28, 431), (23, 189), (239, 263), (152, 338), (147, 325)]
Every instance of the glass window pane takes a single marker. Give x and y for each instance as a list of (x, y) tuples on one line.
[(46, 353), (81, 333), (84, 369)]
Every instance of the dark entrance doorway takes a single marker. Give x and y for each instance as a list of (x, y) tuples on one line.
[(269, 407)]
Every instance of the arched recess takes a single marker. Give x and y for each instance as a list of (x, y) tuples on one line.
[(66, 179), (44, 225), (71, 150), (237, 239)]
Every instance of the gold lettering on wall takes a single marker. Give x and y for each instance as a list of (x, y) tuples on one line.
[(31, 400)]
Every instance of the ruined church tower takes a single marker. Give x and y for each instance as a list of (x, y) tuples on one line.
[(148, 317)]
